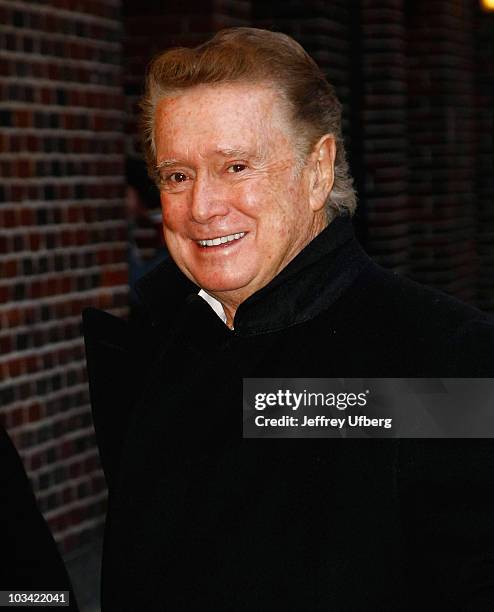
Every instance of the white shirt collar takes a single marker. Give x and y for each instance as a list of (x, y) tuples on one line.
[(215, 305)]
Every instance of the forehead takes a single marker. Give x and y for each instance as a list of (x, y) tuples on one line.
[(206, 119)]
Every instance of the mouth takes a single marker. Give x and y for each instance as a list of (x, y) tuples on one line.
[(220, 240)]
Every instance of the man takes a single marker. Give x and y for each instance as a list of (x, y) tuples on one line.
[(267, 280)]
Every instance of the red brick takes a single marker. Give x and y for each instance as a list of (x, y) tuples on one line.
[(66, 285), (36, 461), (4, 294), (18, 192), (75, 469), (110, 278), (73, 214), (26, 216), (36, 290), (15, 367), (9, 218), (51, 287), (5, 345), (17, 417), (23, 118), (33, 192), (24, 168), (34, 241), (9, 269), (34, 412), (67, 495), (33, 143), (31, 364)]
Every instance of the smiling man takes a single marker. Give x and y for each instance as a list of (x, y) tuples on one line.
[(237, 203), (266, 279)]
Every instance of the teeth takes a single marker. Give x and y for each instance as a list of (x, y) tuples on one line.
[(221, 240)]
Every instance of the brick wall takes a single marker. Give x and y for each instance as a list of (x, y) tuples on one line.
[(443, 145), (381, 94), (62, 241), (426, 145), (483, 23)]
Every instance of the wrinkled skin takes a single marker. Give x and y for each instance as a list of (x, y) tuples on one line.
[(228, 166)]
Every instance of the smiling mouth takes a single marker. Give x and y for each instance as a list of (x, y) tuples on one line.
[(220, 240)]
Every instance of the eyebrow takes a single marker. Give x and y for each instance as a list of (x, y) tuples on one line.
[(256, 156), (167, 163)]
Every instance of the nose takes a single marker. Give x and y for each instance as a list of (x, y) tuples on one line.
[(209, 199)]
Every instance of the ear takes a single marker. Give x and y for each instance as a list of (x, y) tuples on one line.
[(322, 171)]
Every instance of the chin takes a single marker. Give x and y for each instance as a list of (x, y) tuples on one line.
[(220, 285)]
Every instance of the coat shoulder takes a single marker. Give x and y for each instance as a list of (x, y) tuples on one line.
[(393, 326), (440, 330), (104, 327), (117, 355)]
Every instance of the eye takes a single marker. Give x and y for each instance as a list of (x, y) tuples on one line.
[(174, 181), (177, 177), (235, 168)]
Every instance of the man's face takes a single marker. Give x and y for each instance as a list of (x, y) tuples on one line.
[(235, 210)]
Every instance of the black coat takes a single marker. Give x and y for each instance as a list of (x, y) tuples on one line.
[(201, 518), (29, 558)]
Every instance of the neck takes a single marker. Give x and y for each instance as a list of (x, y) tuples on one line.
[(230, 315)]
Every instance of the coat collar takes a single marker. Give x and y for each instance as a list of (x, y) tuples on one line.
[(309, 284)]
